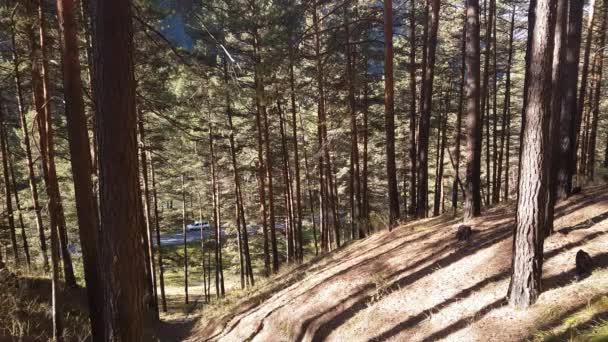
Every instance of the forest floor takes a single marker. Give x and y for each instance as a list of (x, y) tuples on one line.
[(418, 283)]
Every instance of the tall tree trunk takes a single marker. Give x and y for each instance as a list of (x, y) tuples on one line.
[(311, 200), (472, 205), (242, 228), (495, 181), (185, 234), (425, 115), (287, 181), (269, 175), (28, 151), (365, 192), (296, 158), (526, 274), (485, 93), (557, 101), (506, 115), (441, 135), (321, 126), (412, 109), (564, 161), (161, 267), (11, 167), (527, 77), (8, 191), (457, 134), (118, 172), (599, 57), (146, 202), (389, 115), (86, 210), (261, 164), (583, 89), (47, 145), (355, 174), (219, 271)]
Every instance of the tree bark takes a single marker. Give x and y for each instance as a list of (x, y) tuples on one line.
[(11, 167), (526, 274), (506, 116), (161, 268), (42, 102), (122, 254), (583, 89), (28, 151), (240, 208), (261, 164), (389, 115), (294, 126), (557, 99), (219, 269), (457, 134), (86, 210), (146, 211), (485, 93), (564, 165), (425, 115), (412, 109), (599, 57), (8, 191), (355, 174), (184, 232), (472, 205)]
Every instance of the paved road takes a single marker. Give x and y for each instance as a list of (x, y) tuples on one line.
[(177, 238)]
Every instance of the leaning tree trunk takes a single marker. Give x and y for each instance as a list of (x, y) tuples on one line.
[(526, 272), (120, 202), (472, 204)]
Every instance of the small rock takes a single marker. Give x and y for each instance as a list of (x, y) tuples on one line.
[(464, 233), (584, 264)]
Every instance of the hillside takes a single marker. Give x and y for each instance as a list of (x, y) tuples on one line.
[(417, 283)]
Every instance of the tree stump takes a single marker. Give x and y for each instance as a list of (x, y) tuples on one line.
[(584, 264), (464, 233)]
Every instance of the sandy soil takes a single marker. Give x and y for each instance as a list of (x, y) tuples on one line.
[(417, 283)]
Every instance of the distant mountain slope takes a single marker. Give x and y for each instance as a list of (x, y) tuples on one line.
[(418, 283)]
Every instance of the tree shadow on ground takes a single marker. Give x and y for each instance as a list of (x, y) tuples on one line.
[(486, 239)]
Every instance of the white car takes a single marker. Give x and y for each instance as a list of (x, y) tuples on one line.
[(198, 225)]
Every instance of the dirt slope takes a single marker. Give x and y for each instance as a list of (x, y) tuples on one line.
[(417, 283)]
